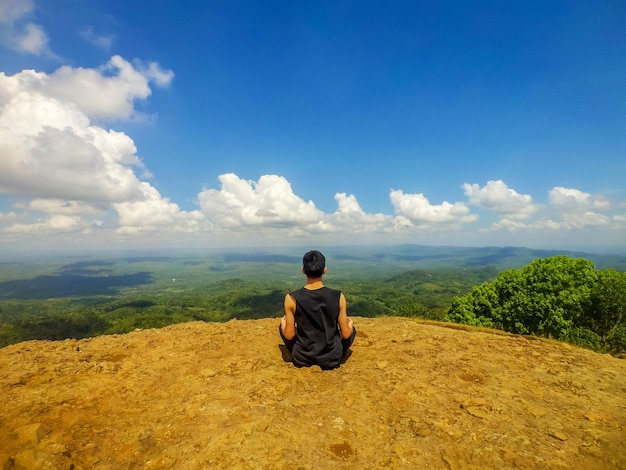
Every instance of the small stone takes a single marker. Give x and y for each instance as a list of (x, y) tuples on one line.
[(32, 434), (343, 450), (382, 364), (476, 412), (339, 423), (558, 435), (208, 373), (420, 429)]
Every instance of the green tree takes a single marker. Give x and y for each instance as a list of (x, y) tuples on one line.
[(606, 311), (477, 308), (547, 297)]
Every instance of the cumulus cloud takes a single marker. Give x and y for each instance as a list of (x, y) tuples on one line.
[(350, 215), (567, 209), (418, 210), (106, 93), (577, 209), (499, 198), (269, 207), (248, 210), (18, 34), (269, 202), (154, 213), (70, 169), (49, 149), (572, 200)]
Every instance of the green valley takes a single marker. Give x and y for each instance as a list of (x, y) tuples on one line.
[(75, 296)]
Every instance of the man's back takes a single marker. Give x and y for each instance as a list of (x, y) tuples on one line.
[(319, 340), (315, 327)]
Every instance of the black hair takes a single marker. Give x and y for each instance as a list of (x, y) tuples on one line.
[(313, 263)]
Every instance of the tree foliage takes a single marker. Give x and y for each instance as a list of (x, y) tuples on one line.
[(559, 297)]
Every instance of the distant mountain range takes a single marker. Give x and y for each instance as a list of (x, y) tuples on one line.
[(468, 257)]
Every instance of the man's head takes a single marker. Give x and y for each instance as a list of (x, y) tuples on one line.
[(313, 264)]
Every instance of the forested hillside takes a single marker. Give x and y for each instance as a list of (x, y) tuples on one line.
[(58, 298), (418, 293)]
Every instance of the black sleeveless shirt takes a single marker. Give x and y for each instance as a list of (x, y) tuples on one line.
[(318, 338)]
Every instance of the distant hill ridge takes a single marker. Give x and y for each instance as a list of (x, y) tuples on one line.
[(219, 395), (499, 257)]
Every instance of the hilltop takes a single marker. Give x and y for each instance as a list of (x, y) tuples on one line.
[(219, 395)]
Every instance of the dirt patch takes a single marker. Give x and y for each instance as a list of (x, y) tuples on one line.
[(219, 395)]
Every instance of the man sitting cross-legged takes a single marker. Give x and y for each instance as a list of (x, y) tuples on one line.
[(316, 328)]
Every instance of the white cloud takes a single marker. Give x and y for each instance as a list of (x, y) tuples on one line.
[(269, 208), (34, 40), (154, 73), (16, 34), (48, 149), (348, 205), (60, 206), (577, 209), (56, 223), (154, 213), (499, 198), (71, 170), (270, 202), (417, 209), (48, 146), (567, 210), (510, 225), (350, 215), (13, 10), (8, 217), (107, 93), (104, 41), (571, 200)]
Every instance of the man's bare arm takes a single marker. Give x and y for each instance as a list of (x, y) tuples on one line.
[(345, 322), (288, 322)]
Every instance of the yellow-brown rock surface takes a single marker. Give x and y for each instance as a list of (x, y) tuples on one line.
[(219, 395)]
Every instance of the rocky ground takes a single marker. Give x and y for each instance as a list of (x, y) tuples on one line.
[(219, 395)]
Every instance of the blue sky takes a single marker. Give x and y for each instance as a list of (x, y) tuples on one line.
[(207, 124)]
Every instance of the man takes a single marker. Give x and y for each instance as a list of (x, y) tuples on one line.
[(316, 328)]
